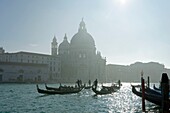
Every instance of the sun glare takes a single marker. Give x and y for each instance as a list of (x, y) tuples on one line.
[(122, 1)]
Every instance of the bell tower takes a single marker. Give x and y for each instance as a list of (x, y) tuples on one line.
[(54, 47), (82, 26)]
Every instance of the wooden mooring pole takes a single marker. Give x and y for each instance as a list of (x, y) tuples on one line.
[(143, 92), (148, 82), (165, 92)]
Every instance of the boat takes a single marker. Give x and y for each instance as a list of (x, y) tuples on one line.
[(148, 90), (51, 88), (152, 91), (138, 86), (103, 91), (87, 87), (158, 89), (68, 90), (111, 88), (154, 98), (155, 88)]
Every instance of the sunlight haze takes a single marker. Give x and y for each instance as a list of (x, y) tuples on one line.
[(125, 31)]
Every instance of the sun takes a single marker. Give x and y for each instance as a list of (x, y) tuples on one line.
[(123, 1)]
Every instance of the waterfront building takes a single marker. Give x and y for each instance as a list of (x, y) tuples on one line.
[(77, 59), (2, 50), (30, 67)]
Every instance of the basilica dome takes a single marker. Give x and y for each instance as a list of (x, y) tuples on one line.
[(82, 39), (64, 46)]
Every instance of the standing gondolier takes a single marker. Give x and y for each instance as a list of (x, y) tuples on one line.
[(95, 83)]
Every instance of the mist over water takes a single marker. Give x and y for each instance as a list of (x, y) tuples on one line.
[(23, 98)]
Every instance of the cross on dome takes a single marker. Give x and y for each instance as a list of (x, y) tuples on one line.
[(65, 37), (82, 26)]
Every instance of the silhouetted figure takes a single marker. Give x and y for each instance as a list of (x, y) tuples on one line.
[(78, 82), (119, 83), (89, 82), (95, 83)]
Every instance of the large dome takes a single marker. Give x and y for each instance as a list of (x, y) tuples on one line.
[(82, 38)]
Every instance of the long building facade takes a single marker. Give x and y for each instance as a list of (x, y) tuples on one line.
[(70, 61), (29, 67)]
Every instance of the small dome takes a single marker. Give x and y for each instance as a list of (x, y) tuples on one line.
[(65, 44)]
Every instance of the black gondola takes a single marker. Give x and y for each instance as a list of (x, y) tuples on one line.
[(111, 88), (87, 87), (152, 91), (159, 90), (114, 87), (68, 90), (154, 98), (51, 88), (103, 91), (155, 88)]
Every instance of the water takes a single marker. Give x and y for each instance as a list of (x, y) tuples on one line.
[(24, 98)]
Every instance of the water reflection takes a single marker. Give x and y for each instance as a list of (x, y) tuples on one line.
[(25, 98)]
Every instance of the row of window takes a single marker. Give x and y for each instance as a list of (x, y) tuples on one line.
[(23, 56), (16, 59), (54, 69), (30, 61)]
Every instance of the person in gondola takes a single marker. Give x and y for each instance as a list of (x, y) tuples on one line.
[(119, 83), (95, 83), (89, 82), (60, 87), (78, 83)]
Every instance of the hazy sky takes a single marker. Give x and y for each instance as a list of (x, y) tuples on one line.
[(125, 31)]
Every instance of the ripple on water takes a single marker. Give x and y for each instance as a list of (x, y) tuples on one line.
[(23, 98)]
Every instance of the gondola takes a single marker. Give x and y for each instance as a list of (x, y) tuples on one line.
[(111, 88), (114, 87), (87, 87), (62, 91), (155, 88), (138, 86), (158, 89), (51, 88), (152, 91), (103, 91), (154, 98)]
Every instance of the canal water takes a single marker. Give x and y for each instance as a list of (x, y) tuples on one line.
[(24, 98)]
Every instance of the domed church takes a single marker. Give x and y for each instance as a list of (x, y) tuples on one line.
[(79, 59)]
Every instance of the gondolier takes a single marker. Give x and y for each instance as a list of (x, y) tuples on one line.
[(95, 83)]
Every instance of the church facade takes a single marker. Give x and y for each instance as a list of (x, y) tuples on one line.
[(77, 59)]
